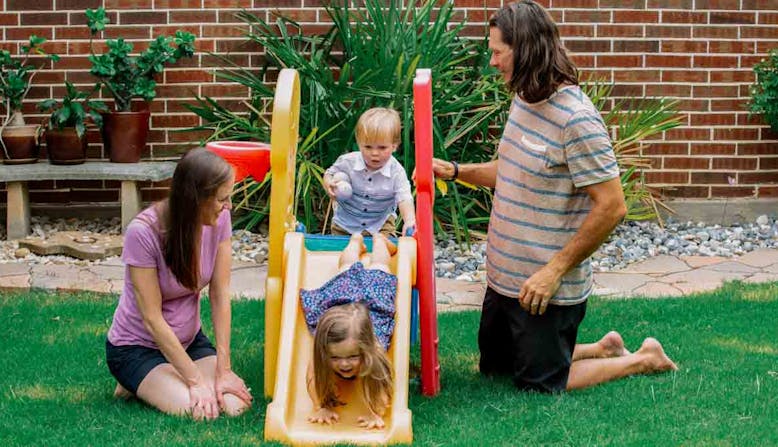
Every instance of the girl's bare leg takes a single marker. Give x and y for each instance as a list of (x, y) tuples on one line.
[(352, 252), (383, 249)]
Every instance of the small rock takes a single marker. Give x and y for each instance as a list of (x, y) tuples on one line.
[(21, 252)]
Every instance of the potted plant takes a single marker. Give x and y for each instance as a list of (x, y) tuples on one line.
[(66, 131), (20, 140), (127, 77)]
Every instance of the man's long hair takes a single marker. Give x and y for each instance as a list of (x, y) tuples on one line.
[(540, 62), (196, 179)]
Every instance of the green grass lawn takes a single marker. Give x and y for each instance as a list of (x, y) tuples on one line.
[(56, 390)]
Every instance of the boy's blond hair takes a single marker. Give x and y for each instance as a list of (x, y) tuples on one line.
[(377, 124)]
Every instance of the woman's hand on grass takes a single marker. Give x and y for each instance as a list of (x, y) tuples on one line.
[(227, 382), (202, 400)]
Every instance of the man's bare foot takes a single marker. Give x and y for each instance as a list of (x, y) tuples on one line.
[(655, 359), (121, 393), (612, 345)]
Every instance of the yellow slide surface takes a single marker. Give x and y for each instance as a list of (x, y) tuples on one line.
[(286, 416)]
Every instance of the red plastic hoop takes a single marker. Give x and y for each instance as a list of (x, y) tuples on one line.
[(246, 157)]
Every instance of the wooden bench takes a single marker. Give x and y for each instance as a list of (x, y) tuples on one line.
[(17, 176)]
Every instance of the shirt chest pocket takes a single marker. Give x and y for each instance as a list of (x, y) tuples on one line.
[(545, 156)]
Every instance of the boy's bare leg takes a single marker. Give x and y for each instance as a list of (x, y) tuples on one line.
[(610, 345), (650, 358), (352, 252)]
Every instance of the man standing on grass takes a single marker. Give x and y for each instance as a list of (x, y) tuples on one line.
[(557, 197)]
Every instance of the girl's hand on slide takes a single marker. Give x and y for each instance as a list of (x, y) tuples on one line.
[(323, 416), (202, 401), (371, 422)]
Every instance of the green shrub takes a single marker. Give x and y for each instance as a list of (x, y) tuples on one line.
[(368, 58), (764, 93)]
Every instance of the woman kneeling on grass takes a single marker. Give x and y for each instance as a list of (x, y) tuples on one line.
[(156, 349)]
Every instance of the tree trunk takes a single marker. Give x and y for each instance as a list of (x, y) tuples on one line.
[(17, 119)]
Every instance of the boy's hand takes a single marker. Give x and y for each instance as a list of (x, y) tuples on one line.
[(323, 416), (409, 226), (329, 187)]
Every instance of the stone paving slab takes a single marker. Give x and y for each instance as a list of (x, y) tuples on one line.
[(617, 283), (78, 244), (762, 277), (702, 261), (702, 275), (68, 277), (732, 266), (771, 269), (759, 258), (14, 269), (658, 265), (14, 283), (248, 281), (655, 277), (655, 289)]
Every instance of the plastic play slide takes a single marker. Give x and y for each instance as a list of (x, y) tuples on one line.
[(297, 261), (286, 415)]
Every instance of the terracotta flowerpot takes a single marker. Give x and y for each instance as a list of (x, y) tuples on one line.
[(21, 144), (65, 147), (125, 134)]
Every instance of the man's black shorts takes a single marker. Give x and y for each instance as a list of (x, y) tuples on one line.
[(536, 350), (131, 363)]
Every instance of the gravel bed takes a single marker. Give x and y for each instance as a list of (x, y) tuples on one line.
[(631, 242)]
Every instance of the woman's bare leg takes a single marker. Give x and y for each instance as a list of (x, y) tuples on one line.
[(164, 388), (121, 392), (233, 405)]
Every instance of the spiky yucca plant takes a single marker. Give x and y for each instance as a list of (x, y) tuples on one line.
[(368, 58)]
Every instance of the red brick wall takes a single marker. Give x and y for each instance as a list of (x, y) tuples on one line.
[(699, 51)]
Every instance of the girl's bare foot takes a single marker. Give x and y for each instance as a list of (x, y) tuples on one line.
[(121, 393), (390, 246), (358, 239), (612, 345), (655, 359)]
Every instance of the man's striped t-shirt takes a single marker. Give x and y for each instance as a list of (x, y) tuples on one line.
[(549, 151)]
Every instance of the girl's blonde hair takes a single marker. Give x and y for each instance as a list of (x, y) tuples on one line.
[(378, 124), (341, 323)]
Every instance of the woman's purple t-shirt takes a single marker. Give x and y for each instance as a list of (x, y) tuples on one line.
[(180, 306)]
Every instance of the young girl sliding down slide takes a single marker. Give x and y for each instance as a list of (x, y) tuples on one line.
[(352, 317)]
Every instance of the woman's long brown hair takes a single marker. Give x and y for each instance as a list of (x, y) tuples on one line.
[(340, 323), (540, 62), (196, 179)]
